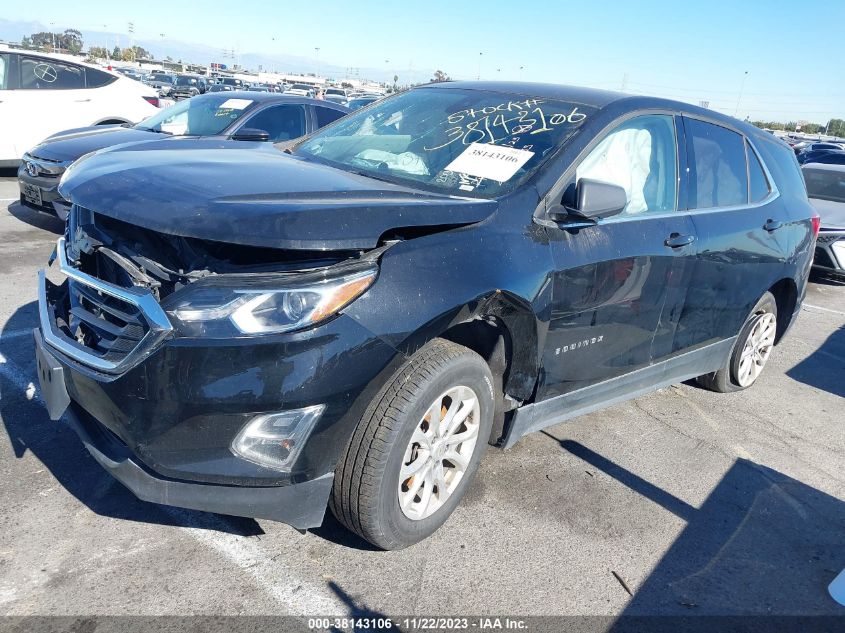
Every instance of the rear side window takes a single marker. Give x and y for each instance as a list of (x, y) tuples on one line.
[(97, 78), (38, 73), (327, 115), (716, 156), (281, 122), (758, 185)]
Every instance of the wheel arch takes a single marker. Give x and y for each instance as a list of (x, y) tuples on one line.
[(785, 293), (503, 330)]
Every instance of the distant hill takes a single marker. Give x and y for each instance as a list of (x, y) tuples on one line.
[(15, 30)]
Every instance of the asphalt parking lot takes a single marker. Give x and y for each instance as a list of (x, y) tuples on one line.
[(680, 502)]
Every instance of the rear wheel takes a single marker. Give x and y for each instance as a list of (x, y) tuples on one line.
[(417, 447), (751, 350)]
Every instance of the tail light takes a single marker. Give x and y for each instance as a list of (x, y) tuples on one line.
[(817, 223), (153, 101)]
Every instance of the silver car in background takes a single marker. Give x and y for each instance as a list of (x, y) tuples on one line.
[(826, 190)]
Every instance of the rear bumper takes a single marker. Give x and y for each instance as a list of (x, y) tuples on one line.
[(301, 505), (830, 252)]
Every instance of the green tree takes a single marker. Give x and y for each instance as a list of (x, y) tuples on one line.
[(439, 76), (117, 53), (26, 42), (836, 127), (98, 52), (71, 40)]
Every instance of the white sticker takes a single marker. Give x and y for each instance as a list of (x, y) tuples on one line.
[(235, 104), (490, 161)]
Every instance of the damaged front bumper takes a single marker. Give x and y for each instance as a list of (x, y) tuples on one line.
[(163, 423)]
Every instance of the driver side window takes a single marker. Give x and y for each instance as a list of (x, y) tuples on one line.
[(641, 157)]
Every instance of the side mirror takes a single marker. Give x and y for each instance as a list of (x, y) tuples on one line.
[(250, 134), (594, 200)]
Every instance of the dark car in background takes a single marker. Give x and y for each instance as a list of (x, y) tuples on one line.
[(826, 189), (186, 86), (237, 115), (360, 102), (162, 82), (351, 319), (826, 157)]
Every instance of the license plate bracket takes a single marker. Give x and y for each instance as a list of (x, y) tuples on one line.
[(32, 194), (51, 377)]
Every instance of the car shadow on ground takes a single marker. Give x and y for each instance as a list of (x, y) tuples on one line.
[(825, 367), (761, 544), (58, 448), (37, 219)]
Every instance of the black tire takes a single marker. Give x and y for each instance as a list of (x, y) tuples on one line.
[(724, 380), (365, 496)]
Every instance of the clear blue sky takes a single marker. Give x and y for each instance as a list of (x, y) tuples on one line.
[(688, 49)]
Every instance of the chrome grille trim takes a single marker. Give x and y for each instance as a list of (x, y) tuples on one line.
[(142, 299)]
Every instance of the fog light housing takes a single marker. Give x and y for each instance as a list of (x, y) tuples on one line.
[(275, 440)]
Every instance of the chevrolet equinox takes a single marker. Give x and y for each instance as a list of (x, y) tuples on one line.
[(350, 319)]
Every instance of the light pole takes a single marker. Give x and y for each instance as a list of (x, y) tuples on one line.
[(521, 68), (161, 35), (317, 54), (478, 77), (741, 88), (53, 36)]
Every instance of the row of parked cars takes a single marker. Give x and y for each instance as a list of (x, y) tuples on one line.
[(180, 86), (348, 319), (818, 152)]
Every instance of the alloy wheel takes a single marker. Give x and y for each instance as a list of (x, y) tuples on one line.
[(439, 452), (757, 348)]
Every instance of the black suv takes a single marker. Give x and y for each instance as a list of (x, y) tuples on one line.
[(186, 86), (350, 319)]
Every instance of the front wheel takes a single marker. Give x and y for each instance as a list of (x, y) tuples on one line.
[(750, 352), (416, 448)]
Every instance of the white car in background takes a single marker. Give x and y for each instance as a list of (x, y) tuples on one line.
[(42, 94)]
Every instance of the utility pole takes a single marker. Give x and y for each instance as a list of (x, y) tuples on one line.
[(624, 87), (741, 88), (131, 28), (480, 55), (317, 55)]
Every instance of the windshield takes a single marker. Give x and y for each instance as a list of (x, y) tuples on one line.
[(201, 116), (185, 81), (456, 140), (301, 87), (167, 78), (827, 184)]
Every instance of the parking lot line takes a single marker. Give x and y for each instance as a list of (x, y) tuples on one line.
[(295, 596), (807, 305), (17, 377)]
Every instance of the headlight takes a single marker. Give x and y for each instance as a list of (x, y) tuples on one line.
[(221, 307)]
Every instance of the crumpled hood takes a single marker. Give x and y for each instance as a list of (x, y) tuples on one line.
[(253, 194), (832, 213), (71, 144)]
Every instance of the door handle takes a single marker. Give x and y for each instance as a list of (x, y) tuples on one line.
[(772, 225), (82, 100), (676, 240)]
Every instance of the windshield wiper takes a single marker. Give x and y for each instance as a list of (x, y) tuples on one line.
[(150, 129)]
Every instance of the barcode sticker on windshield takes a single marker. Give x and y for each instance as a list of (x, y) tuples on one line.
[(235, 104), (490, 161)]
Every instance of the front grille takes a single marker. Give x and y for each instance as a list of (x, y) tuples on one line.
[(99, 324), (109, 327)]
